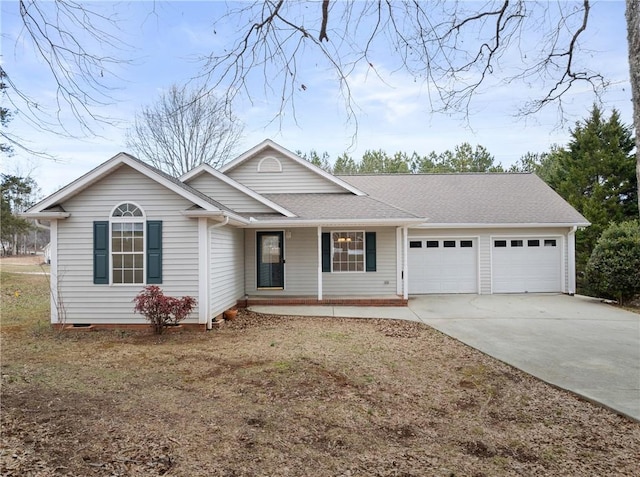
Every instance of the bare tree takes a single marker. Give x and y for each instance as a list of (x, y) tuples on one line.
[(82, 48), (183, 129), (454, 47), (458, 49)]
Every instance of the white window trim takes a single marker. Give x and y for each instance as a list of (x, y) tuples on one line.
[(121, 220), (273, 160), (364, 250)]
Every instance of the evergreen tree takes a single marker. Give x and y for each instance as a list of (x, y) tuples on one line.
[(345, 165), (320, 161), (398, 164), (373, 162), (16, 195), (463, 158), (596, 174)]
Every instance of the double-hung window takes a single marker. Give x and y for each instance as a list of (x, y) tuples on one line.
[(127, 248), (127, 244), (348, 251)]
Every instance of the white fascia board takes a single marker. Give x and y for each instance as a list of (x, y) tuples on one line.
[(212, 214), (427, 225), (45, 215), (333, 222), (294, 157), (207, 169), (104, 170)]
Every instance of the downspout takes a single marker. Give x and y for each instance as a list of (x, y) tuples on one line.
[(220, 224), (204, 275), (42, 226), (571, 251)]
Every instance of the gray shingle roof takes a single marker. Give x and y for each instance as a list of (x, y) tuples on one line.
[(471, 198), (338, 206), (179, 183)]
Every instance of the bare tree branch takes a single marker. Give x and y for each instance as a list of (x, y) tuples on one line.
[(71, 39), (456, 49)]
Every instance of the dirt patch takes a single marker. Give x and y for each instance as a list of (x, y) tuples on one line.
[(295, 396)]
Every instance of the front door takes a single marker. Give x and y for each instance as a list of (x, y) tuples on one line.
[(270, 259)]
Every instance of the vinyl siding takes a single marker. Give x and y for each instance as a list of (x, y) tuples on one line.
[(227, 195), (294, 177), (226, 268), (382, 282), (484, 237), (85, 302), (301, 267), (301, 264)]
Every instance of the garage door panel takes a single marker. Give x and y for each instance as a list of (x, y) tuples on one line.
[(443, 269), (534, 267)]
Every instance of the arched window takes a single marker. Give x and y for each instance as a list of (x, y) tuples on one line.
[(127, 248), (127, 244), (269, 164)]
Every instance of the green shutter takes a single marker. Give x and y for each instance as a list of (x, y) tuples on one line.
[(154, 251), (326, 252), (101, 252), (370, 256)]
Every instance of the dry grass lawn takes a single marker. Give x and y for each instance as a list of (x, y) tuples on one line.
[(283, 396)]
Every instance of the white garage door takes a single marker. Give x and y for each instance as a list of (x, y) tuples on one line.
[(443, 266), (527, 264)]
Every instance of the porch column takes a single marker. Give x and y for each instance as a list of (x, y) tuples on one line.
[(405, 261), (203, 272), (319, 263), (399, 261)]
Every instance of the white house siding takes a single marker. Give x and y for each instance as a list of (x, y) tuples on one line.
[(382, 282), (301, 263), (301, 266), (226, 268), (227, 195), (294, 177), (485, 236), (86, 302)]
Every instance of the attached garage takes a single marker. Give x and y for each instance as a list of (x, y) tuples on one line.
[(526, 264), (443, 265)]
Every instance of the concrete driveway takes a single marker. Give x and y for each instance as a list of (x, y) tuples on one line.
[(576, 343), (573, 342)]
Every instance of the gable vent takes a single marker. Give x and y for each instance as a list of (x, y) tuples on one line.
[(269, 164)]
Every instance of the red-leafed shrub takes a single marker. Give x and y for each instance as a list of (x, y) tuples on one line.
[(162, 310)]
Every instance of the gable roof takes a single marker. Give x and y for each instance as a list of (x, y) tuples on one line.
[(207, 169), (199, 199), (472, 199), (268, 143)]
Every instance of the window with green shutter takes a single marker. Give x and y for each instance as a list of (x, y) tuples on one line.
[(127, 249), (349, 251)]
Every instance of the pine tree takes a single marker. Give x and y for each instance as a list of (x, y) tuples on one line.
[(596, 174)]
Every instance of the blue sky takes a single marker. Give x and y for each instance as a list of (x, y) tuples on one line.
[(393, 115)]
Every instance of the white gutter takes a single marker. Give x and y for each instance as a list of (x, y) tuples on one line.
[(427, 225), (45, 215), (256, 223)]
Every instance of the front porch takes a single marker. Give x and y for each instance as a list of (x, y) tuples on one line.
[(389, 300)]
